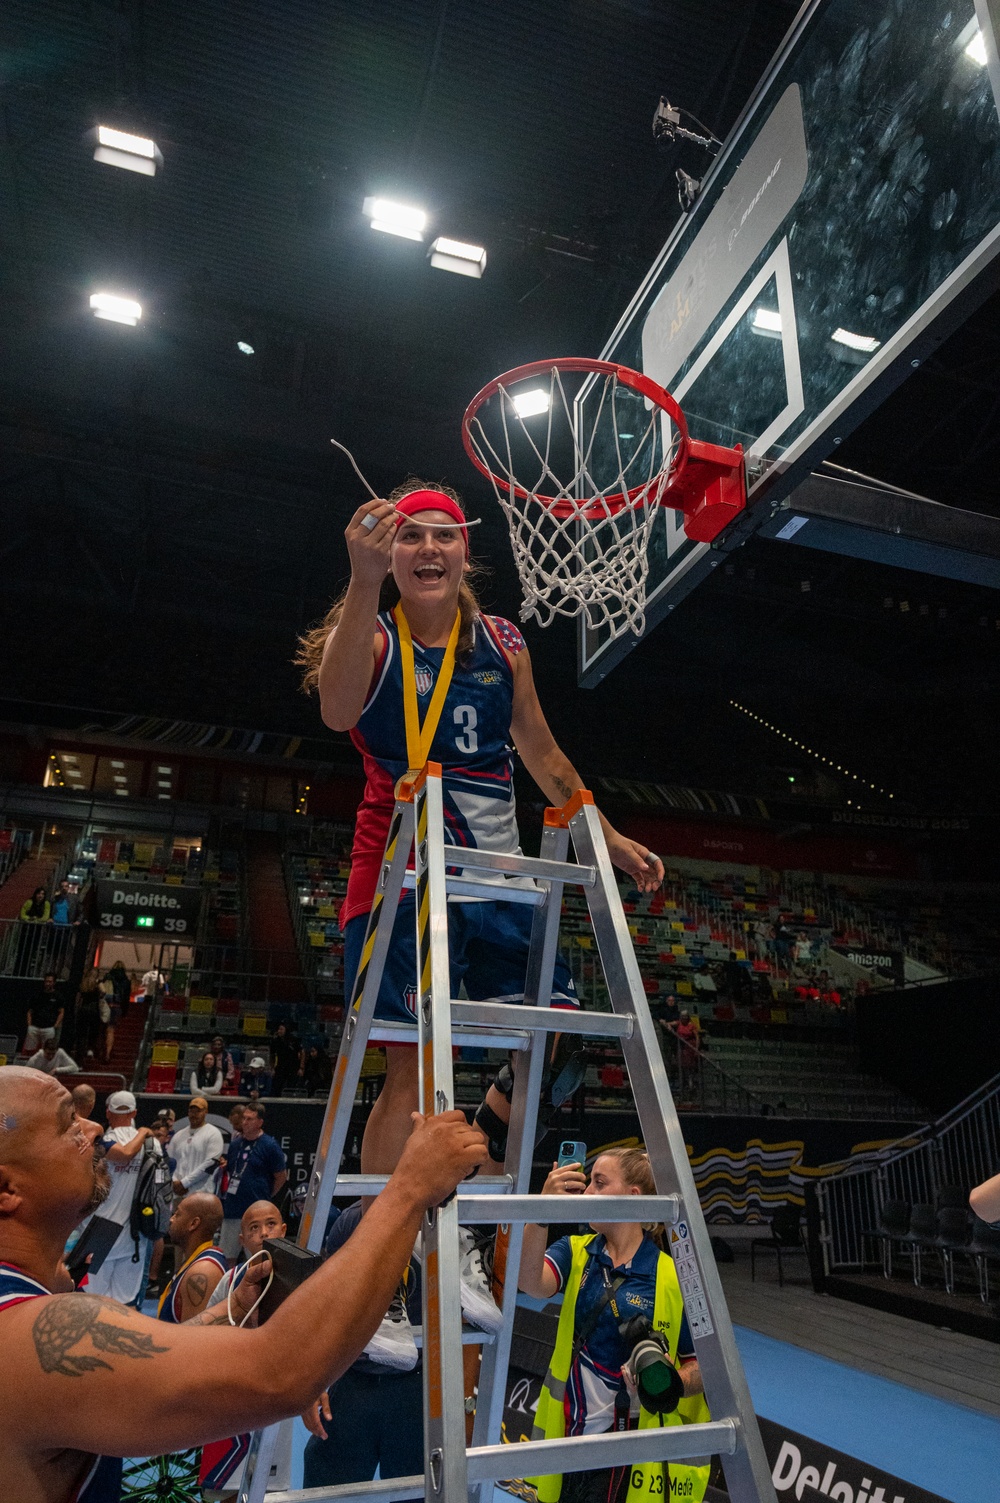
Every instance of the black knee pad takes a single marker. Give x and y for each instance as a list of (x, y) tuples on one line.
[(495, 1129)]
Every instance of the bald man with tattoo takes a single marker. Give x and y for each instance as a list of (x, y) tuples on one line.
[(85, 1381), (194, 1227)]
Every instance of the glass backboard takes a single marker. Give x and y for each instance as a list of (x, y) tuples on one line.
[(851, 220)]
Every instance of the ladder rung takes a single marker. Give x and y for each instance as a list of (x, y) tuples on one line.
[(520, 866), (550, 1209), (587, 1453), (374, 1184), (470, 1337), (474, 1038), (496, 892), (552, 1019), (578, 1453)]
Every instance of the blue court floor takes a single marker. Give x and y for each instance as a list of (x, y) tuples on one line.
[(944, 1448)]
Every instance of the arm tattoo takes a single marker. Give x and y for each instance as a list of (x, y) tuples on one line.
[(563, 788), (67, 1319), (196, 1289)]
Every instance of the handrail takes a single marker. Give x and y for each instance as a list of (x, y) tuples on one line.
[(144, 1056)]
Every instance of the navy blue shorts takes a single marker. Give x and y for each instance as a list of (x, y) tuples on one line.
[(488, 944)]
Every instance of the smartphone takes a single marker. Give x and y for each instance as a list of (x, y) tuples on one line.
[(571, 1152)]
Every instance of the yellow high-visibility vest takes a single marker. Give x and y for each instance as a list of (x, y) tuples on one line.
[(687, 1480)]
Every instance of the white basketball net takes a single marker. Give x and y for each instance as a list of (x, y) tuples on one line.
[(576, 551)]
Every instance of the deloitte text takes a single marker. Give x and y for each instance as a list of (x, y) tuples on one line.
[(789, 1475), (143, 899)]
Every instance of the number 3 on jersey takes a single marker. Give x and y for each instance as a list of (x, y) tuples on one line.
[(467, 741)]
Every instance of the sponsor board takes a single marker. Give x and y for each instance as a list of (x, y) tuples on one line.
[(808, 1471), (145, 909)]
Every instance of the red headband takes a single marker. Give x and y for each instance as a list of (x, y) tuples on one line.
[(417, 501)]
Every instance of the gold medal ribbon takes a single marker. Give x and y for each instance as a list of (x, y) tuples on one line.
[(419, 737)]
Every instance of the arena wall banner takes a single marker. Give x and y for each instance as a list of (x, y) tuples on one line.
[(888, 963), (147, 910)]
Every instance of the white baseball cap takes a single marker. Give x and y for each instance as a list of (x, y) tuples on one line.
[(121, 1101), (256, 1063)]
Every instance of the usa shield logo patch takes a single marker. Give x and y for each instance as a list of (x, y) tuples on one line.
[(425, 679)]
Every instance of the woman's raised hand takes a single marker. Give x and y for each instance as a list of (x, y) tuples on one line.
[(369, 542), (565, 1179)]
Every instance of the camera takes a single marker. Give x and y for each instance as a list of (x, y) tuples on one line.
[(658, 1383)]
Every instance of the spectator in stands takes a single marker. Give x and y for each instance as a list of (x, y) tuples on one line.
[(372, 1419), (154, 984), (206, 1077), (317, 1071), (688, 1050), (65, 905), (985, 1200), (89, 1027), (197, 1148), (84, 1099), (256, 1169), (119, 1276), (285, 1055), (50, 1059), (193, 1228), (169, 1116), (256, 1079), (235, 1115), (45, 1016), (784, 941), (224, 1059), (117, 989), (35, 911)]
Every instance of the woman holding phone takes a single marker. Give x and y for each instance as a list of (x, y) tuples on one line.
[(619, 1290)]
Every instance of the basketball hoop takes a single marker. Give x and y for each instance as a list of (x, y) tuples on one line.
[(579, 465)]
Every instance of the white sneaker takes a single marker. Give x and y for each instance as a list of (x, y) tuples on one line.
[(393, 1345), (478, 1305)]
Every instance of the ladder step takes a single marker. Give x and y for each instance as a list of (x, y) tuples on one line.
[(470, 1336), (373, 1184), (519, 866), (550, 1019), (496, 892), (474, 1038), (549, 1209), (578, 1453)]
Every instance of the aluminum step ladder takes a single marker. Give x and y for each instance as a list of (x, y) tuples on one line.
[(453, 1472)]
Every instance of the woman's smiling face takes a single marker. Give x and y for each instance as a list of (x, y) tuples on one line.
[(428, 561)]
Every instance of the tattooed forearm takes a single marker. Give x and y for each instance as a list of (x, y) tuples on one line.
[(65, 1320), (562, 787), (218, 1315)]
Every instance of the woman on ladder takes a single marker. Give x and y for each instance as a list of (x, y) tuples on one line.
[(406, 661), (618, 1287)]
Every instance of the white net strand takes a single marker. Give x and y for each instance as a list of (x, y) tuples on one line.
[(575, 552)]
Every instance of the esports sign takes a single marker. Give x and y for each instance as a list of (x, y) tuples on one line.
[(147, 910)]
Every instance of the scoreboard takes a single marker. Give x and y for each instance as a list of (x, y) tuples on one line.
[(148, 909)]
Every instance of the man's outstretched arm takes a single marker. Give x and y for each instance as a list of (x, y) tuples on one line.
[(88, 1373)]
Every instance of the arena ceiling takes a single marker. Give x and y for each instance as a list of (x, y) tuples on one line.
[(172, 508)]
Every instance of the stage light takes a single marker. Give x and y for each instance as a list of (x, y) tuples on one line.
[(976, 48), (865, 343), (532, 403), (244, 348), (119, 310), (767, 322), (455, 255), (117, 148), (395, 219)]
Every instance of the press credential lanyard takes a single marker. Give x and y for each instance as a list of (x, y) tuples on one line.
[(419, 737)]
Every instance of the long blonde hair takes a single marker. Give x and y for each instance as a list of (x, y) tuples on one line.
[(635, 1169), (313, 642)]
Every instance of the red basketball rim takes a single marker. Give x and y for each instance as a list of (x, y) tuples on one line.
[(603, 505)]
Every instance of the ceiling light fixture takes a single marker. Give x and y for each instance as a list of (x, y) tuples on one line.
[(244, 348), (395, 219), (766, 321), (457, 256), (532, 403), (118, 310), (976, 48), (865, 343), (117, 148)]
